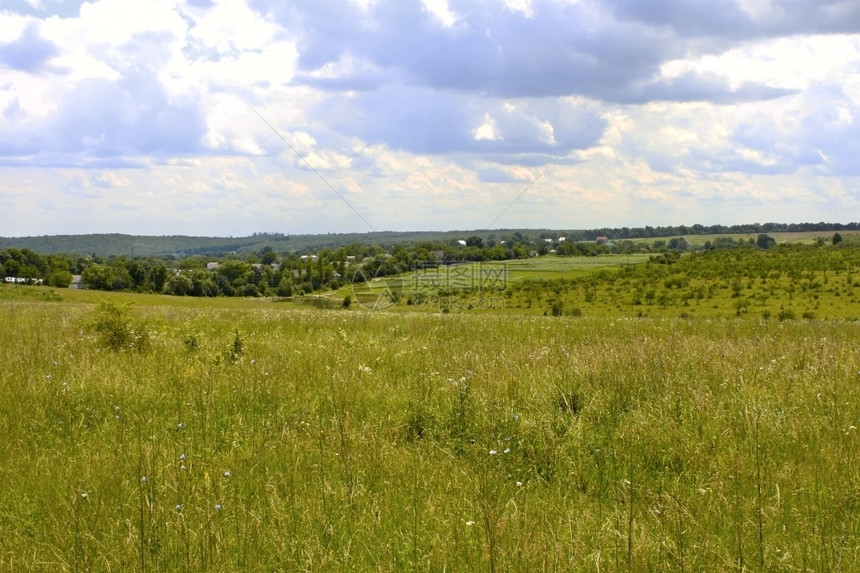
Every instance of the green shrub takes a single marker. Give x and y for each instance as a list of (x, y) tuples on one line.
[(118, 328), (786, 314)]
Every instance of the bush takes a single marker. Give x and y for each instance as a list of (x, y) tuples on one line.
[(59, 279), (117, 327), (786, 314)]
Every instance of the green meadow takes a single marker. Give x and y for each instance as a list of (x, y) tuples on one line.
[(156, 433)]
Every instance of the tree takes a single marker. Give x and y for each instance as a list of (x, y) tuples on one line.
[(837, 238), (179, 285), (95, 276), (285, 287), (679, 244), (567, 249), (475, 241), (59, 279), (158, 274), (268, 256), (765, 241)]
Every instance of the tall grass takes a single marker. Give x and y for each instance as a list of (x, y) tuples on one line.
[(296, 440)]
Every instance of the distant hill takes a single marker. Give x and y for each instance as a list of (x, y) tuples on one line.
[(180, 246)]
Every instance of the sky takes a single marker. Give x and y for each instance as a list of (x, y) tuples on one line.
[(230, 117)]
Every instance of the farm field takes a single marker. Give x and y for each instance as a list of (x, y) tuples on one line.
[(206, 436), (794, 281)]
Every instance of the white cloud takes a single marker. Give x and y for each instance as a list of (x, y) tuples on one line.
[(441, 10), (523, 6), (230, 27), (792, 63), (487, 130)]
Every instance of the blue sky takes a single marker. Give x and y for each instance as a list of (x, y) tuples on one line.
[(142, 117)]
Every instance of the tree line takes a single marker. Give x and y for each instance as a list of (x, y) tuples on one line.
[(268, 272)]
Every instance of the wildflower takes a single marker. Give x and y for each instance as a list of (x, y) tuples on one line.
[(470, 523), (254, 361), (143, 479), (84, 495), (182, 457), (116, 408), (227, 474), (217, 507), (493, 452), (519, 484), (507, 450), (180, 426)]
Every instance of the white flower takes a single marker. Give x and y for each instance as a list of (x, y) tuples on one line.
[(84, 495), (493, 452), (470, 523), (217, 507), (182, 458), (227, 474), (143, 479)]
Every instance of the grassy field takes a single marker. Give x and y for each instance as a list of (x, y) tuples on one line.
[(802, 237), (206, 435)]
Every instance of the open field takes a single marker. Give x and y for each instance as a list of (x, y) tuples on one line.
[(262, 437), (801, 237)]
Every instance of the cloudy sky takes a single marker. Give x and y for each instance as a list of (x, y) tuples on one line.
[(228, 117)]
